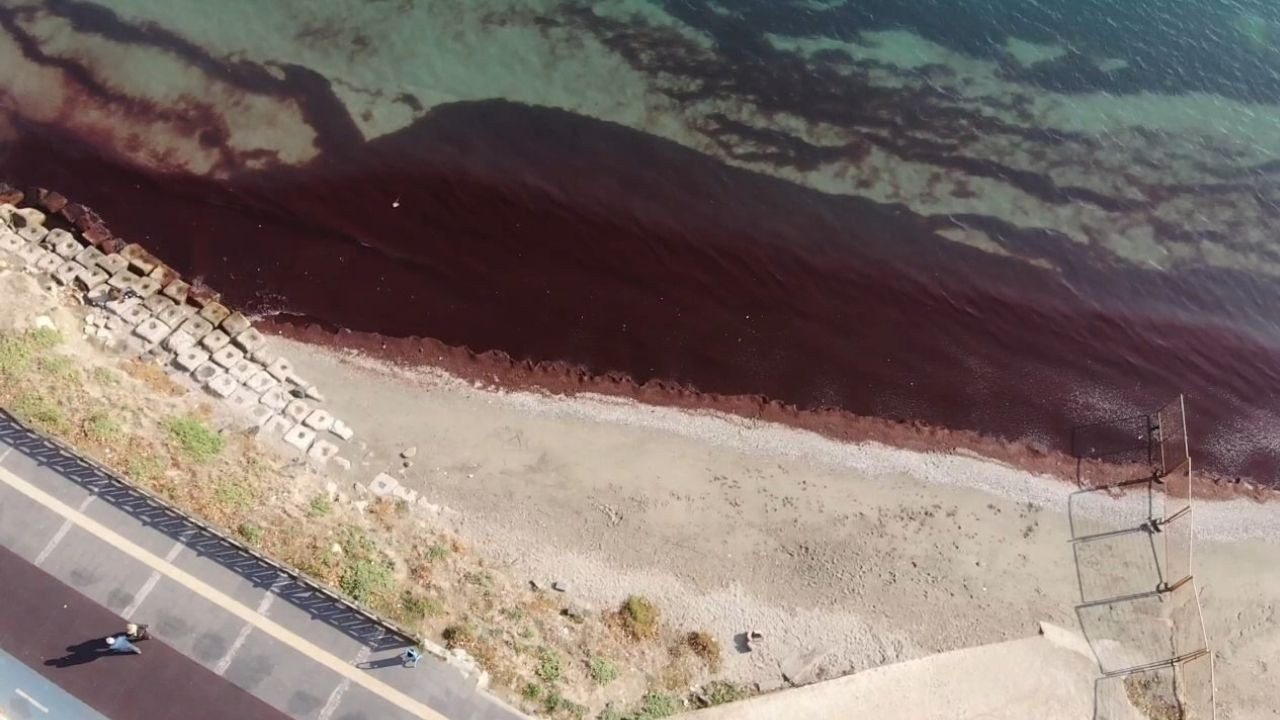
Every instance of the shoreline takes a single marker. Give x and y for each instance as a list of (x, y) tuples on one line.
[(495, 371)]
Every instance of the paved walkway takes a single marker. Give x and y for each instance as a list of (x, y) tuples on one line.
[(118, 556)]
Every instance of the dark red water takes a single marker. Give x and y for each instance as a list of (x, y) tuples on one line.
[(556, 237)]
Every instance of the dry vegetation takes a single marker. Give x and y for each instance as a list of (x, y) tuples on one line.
[(542, 651)]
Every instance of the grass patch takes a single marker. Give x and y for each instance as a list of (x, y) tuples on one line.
[(17, 351), (194, 439), (639, 617), (720, 692), (705, 647), (549, 668), (58, 367), (105, 376), (39, 411), (102, 428), (234, 496), (320, 506), (657, 705), (460, 636), (154, 377), (438, 552), (531, 692), (366, 578), (415, 607), (250, 532), (145, 466), (602, 671)]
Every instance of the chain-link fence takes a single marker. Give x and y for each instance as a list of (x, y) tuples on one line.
[(1132, 538)]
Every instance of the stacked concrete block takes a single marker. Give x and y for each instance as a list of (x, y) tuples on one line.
[(215, 312), (67, 272), (215, 340), (227, 356), (33, 233), (252, 341), (319, 420), (177, 291), (152, 330), (243, 399), (322, 451), (164, 275), (191, 359), (124, 280), (297, 411), (276, 425), (131, 312), (89, 257), (276, 399), (242, 370), (342, 430), (114, 264), (156, 304), (30, 253), (146, 287), (281, 369), (174, 315), (234, 324), (300, 436), (11, 241), (260, 414), (179, 341), (65, 244), (262, 381), (92, 277), (222, 385), (196, 327), (47, 262)]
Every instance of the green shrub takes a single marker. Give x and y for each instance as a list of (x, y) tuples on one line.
[(105, 376), (417, 607), (705, 647), (532, 691), (549, 669), (719, 692), (639, 617), (194, 439), (602, 671), (17, 351), (250, 532), (234, 496), (145, 467), (657, 705), (40, 412), (364, 578), (102, 428), (437, 552), (320, 506)]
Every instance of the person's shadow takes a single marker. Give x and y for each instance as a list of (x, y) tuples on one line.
[(85, 652), (385, 662)]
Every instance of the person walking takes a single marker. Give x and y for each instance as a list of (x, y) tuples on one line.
[(411, 656), (121, 644), (136, 633)]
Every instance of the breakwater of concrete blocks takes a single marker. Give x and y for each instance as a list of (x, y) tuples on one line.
[(141, 307)]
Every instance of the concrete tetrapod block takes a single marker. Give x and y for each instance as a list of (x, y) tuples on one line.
[(174, 315), (322, 451), (214, 341), (196, 327), (177, 291), (164, 275), (114, 264), (139, 258), (227, 355), (242, 370), (300, 437), (31, 215), (215, 312), (383, 485), (262, 381), (234, 324), (253, 341), (259, 414), (222, 385), (280, 369), (319, 420), (179, 342), (206, 372), (276, 399), (10, 241), (275, 424), (152, 330), (67, 272), (297, 410), (262, 355)]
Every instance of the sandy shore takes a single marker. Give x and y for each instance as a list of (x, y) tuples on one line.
[(858, 554)]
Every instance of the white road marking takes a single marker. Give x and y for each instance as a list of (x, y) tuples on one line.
[(22, 694), (150, 584), (5, 454), (62, 532), (263, 606), (315, 653), (335, 697)]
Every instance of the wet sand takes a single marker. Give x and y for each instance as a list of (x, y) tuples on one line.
[(596, 256)]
